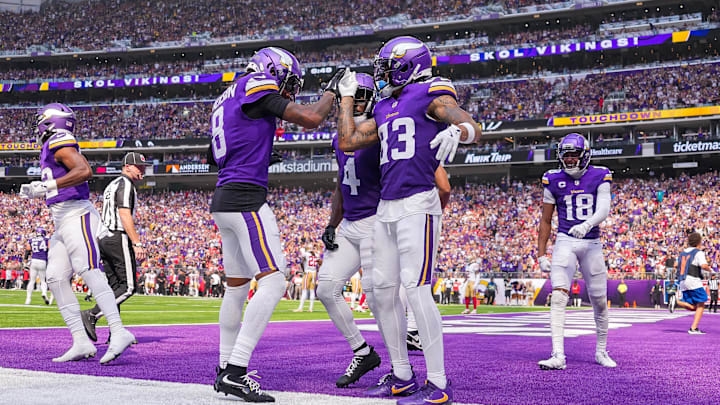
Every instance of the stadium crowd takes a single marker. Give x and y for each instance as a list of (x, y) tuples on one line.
[(493, 225), (635, 90), (90, 25)]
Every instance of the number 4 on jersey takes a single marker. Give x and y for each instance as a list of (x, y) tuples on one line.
[(349, 177)]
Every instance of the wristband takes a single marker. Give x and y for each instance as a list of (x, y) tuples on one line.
[(138, 244), (50, 185), (470, 130)]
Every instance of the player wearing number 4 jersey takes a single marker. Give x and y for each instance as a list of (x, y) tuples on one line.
[(243, 127), (418, 125), (581, 194)]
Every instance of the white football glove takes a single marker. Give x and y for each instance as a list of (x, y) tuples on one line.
[(447, 140), (37, 189), (544, 263), (348, 84), (579, 231)]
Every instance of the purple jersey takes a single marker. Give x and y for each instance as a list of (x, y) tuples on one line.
[(39, 247), (53, 170), (359, 177), (576, 199), (241, 145), (407, 162)]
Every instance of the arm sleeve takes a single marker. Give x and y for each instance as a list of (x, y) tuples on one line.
[(548, 197), (272, 104), (602, 205)]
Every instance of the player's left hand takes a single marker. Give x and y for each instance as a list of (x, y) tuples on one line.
[(332, 85), (447, 140), (348, 84), (328, 238), (36, 189), (580, 230)]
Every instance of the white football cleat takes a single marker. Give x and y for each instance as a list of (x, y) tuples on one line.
[(465, 311), (118, 343), (78, 351), (603, 358), (27, 302), (556, 362), (473, 312)]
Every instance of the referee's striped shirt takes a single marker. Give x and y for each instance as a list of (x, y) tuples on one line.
[(120, 193), (713, 284)]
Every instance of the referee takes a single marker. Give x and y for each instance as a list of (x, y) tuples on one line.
[(121, 246), (713, 287)]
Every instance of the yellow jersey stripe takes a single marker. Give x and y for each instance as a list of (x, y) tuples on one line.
[(261, 88)]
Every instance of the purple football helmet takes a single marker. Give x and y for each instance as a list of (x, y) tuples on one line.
[(280, 64), (402, 60), (573, 152), (41, 231), (365, 94), (52, 118)]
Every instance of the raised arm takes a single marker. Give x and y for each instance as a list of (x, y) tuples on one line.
[(353, 137), (310, 115)]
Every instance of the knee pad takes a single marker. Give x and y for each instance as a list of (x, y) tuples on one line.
[(559, 297), (274, 283)]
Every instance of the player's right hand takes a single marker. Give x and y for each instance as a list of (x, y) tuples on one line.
[(328, 238), (35, 189), (544, 263), (348, 84)]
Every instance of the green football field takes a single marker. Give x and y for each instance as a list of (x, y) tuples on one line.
[(146, 310)]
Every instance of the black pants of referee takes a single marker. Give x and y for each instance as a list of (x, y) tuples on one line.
[(118, 258), (713, 300)]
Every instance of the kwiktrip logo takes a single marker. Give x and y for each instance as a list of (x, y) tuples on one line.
[(697, 146), (494, 157)]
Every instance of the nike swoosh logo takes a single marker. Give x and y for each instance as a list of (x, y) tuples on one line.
[(403, 389), (226, 380), (438, 401)]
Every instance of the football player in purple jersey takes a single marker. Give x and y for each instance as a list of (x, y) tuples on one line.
[(73, 247), (418, 124), (38, 248), (243, 125), (581, 193), (348, 237)]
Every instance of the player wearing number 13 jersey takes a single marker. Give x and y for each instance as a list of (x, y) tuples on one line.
[(243, 127), (581, 193), (418, 125)]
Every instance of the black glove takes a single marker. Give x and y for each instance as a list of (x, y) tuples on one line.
[(328, 238), (332, 85), (275, 158)]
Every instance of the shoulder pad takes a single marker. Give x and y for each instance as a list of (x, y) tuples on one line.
[(61, 139), (260, 82), (546, 176), (606, 173), (441, 85)]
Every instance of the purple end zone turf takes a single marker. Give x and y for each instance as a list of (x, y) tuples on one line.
[(309, 356)]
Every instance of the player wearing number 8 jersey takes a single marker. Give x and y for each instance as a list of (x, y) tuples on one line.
[(243, 127), (418, 124), (581, 193)]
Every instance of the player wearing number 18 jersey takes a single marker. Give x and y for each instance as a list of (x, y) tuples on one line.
[(418, 124), (581, 193), (243, 127)]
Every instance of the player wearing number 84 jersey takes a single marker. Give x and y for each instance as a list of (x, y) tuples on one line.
[(581, 193), (418, 124)]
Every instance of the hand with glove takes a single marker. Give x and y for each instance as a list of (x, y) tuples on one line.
[(37, 189), (332, 85), (328, 238), (544, 263), (348, 84), (579, 231), (447, 142)]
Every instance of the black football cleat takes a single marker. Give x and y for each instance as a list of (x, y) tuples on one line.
[(89, 322), (45, 298), (242, 386), (359, 366), (413, 341)]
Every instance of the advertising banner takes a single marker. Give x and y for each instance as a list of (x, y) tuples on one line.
[(83, 145), (683, 147), (634, 116)]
